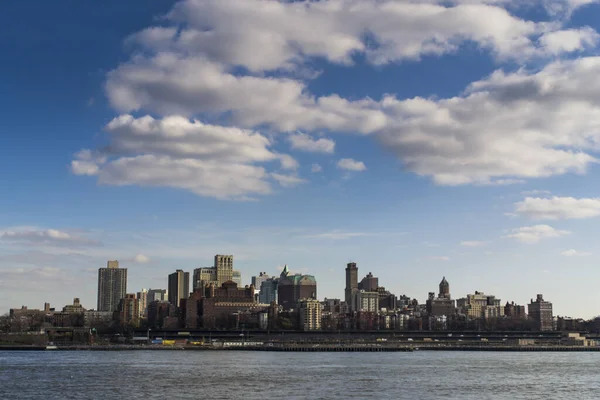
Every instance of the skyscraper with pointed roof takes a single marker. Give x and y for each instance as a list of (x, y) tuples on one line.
[(444, 289)]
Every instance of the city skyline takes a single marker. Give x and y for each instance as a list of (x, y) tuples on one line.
[(464, 145)]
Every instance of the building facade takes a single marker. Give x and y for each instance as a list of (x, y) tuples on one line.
[(442, 305), (292, 288), (258, 280), (179, 287), (237, 277), (112, 286), (369, 283), (268, 291), (224, 268), (156, 295), (129, 310), (480, 305), (366, 301), (513, 310), (540, 311), (310, 314), (204, 276), (351, 284)]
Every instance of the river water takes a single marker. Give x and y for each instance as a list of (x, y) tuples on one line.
[(167, 375)]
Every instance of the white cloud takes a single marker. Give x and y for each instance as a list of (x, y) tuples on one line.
[(569, 40), (51, 237), (141, 259), (473, 243), (575, 253), (555, 208), (302, 141), (518, 125), (351, 165), (288, 180), (268, 35), (208, 160), (316, 168), (533, 234)]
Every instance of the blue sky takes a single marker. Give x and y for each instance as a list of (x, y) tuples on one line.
[(416, 138)]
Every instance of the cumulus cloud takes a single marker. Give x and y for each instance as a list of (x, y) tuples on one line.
[(522, 125), (316, 168), (302, 141), (535, 233), (473, 243), (282, 34), (575, 253), (208, 160), (555, 208), (569, 40), (52, 237), (351, 165)]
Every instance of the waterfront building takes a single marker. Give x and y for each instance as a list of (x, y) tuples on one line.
[(310, 314), (258, 280), (442, 305), (179, 287), (351, 284), (112, 286), (513, 310), (76, 307), (369, 283), (540, 311), (156, 295), (366, 301), (480, 305), (292, 288), (158, 312), (212, 307), (204, 276), (224, 268), (129, 310), (387, 300), (268, 291), (97, 318), (142, 298), (237, 277)]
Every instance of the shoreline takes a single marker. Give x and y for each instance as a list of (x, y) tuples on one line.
[(304, 349)]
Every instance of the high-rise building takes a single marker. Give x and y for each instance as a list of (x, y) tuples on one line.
[(129, 310), (444, 288), (480, 305), (112, 286), (156, 294), (268, 291), (292, 288), (366, 301), (515, 311), (540, 311), (142, 298), (224, 268), (310, 314), (179, 287), (442, 305), (258, 280), (369, 283), (204, 276), (237, 277), (351, 284)]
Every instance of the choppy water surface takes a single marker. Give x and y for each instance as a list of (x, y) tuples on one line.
[(255, 375)]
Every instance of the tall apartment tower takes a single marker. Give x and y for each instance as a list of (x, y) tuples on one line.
[(351, 284), (179, 287), (112, 286), (541, 312), (224, 267)]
